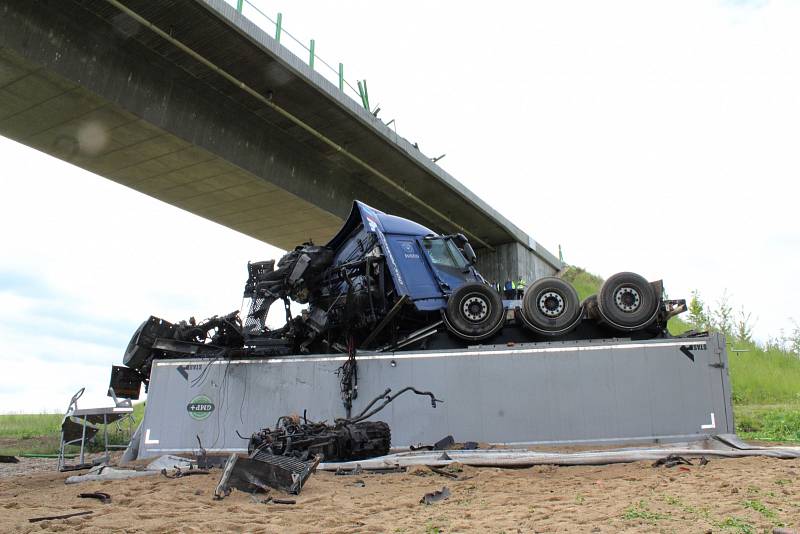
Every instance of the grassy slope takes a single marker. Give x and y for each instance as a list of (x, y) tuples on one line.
[(766, 392)]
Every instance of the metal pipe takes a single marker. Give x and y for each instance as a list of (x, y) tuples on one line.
[(266, 101)]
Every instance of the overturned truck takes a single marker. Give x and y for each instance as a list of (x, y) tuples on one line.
[(385, 283)]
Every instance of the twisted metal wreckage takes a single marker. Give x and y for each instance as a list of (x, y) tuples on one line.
[(384, 283)]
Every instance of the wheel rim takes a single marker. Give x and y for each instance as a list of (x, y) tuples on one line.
[(475, 308), (551, 304), (627, 299)]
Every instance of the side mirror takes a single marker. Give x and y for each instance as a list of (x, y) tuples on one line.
[(469, 253)]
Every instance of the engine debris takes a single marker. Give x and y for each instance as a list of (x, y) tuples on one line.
[(347, 439)]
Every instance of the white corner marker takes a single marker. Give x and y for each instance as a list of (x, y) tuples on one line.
[(712, 425), (148, 441)]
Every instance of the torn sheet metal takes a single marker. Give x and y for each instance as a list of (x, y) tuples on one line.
[(170, 461), (264, 471), (719, 447), (103, 472)]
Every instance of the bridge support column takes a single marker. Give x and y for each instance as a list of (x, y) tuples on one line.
[(512, 261)]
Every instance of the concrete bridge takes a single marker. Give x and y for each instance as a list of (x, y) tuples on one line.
[(190, 102)]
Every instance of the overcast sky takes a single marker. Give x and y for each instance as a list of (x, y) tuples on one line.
[(656, 137)]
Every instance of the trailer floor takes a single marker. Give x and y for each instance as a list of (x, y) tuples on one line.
[(727, 495)]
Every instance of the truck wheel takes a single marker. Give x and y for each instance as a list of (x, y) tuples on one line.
[(474, 312), (627, 302), (551, 307)]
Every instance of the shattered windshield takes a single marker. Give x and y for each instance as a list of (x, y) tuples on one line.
[(443, 252)]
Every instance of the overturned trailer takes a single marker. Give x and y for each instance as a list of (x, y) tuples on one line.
[(567, 392), (386, 289)]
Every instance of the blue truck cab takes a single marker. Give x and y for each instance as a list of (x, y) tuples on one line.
[(424, 266)]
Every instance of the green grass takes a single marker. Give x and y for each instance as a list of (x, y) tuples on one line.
[(768, 422), (737, 525), (585, 283), (641, 512), (761, 376), (759, 507), (40, 433)]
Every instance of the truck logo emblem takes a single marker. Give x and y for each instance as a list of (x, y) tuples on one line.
[(200, 407), (687, 349)]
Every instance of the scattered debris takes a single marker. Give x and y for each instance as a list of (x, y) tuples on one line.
[(442, 472), (444, 443), (8, 459), (671, 461), (207, 461), (37, 455), (419, 470), (436, 496), (262, 471), (785, 531), (360, 484), (449, 472), (382, 470), (103, 472), (180, 474), (272, 500), (447, 443), (169, 461), (455, 467), (64, 516), (76, 467), (704, 460), (302, 440), (348, 439), (386, 470), (357, 470), (260, 501), (104, 498)]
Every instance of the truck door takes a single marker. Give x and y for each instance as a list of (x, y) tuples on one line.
[(418, 278)]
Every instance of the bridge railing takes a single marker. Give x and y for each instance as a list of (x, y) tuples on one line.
[(303, 49)]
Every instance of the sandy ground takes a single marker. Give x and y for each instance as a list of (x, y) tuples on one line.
[(731, 495)]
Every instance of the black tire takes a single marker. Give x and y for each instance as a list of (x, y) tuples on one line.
[(627, 302), (474, 312), (551, 307)]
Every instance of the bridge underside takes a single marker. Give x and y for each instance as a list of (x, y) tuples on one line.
[(64, 120), (86, 83)]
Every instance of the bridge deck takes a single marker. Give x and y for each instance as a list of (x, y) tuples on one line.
[(94, 85)]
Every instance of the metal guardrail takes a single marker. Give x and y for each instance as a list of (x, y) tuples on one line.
[(304, 49)]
